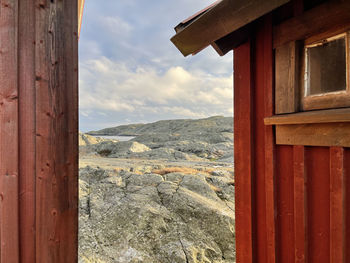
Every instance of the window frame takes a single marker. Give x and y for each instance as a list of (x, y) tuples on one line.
[(328, 100), (325, 121)]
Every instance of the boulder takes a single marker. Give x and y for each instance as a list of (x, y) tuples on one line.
[(118, 149), (85, 139)]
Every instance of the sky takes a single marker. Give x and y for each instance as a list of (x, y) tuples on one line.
[(130, 72)]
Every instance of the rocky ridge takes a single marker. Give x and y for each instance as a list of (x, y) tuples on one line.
[(165, 196), (211, 125), (208, 139)]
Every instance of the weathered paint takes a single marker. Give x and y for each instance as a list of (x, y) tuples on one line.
[(38, 131), (243, 159), (9, 126), (296, 197), (27, 170)]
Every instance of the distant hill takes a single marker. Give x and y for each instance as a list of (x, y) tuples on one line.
[(215, 124)]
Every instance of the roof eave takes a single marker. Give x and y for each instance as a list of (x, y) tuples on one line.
[(222, 19)]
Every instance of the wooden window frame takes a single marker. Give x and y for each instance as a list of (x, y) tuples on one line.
[(298, 121), (328, 100)]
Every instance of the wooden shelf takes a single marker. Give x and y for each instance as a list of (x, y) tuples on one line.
[(320, 116), (314, 134)]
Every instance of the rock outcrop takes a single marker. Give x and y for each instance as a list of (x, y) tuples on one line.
[(190, 148), (86, 139), (156, 217), (118, 149), (166, 196)]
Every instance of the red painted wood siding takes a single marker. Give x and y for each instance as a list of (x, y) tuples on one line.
[(38, 131), (292, 202)]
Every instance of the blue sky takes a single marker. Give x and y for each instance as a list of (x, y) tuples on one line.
[(130, 72)]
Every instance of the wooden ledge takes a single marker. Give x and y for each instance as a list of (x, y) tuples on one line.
[(320, 116)]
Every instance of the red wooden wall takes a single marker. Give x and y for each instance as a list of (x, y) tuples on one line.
[(38, 131), (292, 202)]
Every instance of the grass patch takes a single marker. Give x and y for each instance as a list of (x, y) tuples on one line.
[(183, 170)]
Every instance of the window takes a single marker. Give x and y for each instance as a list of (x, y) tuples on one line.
[(326, 73), (312, 91)]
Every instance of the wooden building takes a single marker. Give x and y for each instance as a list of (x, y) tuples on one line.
[(292, 123), (39, 130), (292, 129)]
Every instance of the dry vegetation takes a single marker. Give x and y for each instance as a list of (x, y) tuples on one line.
[(168, 170)]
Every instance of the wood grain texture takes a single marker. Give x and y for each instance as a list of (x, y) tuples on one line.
[(243, 159), (9, 154), (56, 131), (300, 206), (287, 77), (38, 129), (337, 213), (224, 18), (323, 134), (26, 78), (320, 116), (326, 101), (322, 18)]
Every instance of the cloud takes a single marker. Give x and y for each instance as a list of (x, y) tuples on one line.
[(115, 25), (112, 86), (131, 72)]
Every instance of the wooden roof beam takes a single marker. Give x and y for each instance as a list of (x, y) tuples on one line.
[(222, 19), (233, 40)]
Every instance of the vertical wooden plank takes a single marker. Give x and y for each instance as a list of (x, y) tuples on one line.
[(337, 213), (56, 131), (26, 78), (288, 71), (243, 159), (300, 238), (47, 162), (300, 176), (9, 232), (263, 144), (285, 204), (318, 203), (347, 203), (287, 78), (269, 143), (70, 131)]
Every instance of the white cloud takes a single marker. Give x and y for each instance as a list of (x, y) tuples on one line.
[(115, 25), (112, 86), (131, 72)]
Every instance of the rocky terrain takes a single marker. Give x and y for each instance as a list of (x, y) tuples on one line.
[(211, 125), (165, 196)]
